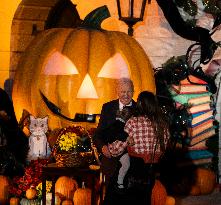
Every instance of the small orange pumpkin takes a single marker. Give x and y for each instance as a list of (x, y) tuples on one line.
[(159, 194), (65, 187), (14, 201), (82, 196), (67, 202), (170, 200), (206, 180), (4, 188), (31, 193)]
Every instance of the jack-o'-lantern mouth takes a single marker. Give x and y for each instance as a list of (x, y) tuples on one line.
[(79, 117)]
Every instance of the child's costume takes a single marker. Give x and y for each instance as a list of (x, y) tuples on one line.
[(116, 138)]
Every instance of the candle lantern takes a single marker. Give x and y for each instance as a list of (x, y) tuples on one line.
[(131, 12)]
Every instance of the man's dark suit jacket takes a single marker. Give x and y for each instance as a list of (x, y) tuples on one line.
[(108, 116), (115, 131)]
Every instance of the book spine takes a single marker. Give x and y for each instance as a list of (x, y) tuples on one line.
[(190, 89), (200, 116), (202, 137), (198, 154), (199, 108), (200, 128), (199, 101), (193, 124), (191, 79), (205, 161)]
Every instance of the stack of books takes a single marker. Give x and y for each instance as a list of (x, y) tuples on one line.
[(193, 93)]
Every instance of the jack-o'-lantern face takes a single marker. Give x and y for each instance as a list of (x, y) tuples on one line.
[(76, 69)]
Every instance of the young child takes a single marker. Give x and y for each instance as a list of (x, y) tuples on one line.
[(117, 140)]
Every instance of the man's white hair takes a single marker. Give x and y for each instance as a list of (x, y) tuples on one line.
[(128, 81)]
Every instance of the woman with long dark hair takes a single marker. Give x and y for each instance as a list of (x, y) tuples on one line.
[(148, 129)]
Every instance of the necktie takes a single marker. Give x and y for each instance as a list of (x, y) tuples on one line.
[(129, 106)]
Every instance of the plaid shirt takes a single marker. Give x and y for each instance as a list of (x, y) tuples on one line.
[(142, 132), (117, 148)]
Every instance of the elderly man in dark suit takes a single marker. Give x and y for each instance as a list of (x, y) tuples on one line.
[(109, 165)]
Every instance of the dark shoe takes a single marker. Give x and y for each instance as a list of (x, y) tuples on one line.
[(119, 190)]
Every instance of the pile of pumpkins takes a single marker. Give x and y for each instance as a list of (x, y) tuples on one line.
[(66, 188), (68, 192)]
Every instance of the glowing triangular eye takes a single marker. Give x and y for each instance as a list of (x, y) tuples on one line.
[(59, 64), (87, 89), (115, 68)]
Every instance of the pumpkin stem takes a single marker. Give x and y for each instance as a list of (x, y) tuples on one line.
[(95, 18), (32, 186)]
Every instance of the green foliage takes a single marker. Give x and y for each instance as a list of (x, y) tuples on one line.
[(191, 8), (188, 6), (211, 7), (94, 19), (175, 62)]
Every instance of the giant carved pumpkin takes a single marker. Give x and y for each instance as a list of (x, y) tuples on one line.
[(95, 56)]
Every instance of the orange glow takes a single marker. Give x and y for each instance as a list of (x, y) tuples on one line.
[(87, 89), (125, 8), (59, 64), (115, 68)]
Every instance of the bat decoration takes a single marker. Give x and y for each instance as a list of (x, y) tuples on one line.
[(187, 31)]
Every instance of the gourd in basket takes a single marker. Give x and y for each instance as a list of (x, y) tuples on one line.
[(73, 147)]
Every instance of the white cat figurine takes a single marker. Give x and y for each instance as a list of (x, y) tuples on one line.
[(38, 144)]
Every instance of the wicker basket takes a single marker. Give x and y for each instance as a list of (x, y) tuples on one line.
[(77, 158), (80, 159)]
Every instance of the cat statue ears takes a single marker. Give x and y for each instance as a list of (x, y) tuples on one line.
[(45, 118)]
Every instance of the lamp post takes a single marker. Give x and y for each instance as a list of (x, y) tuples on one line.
[(130, 16)]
